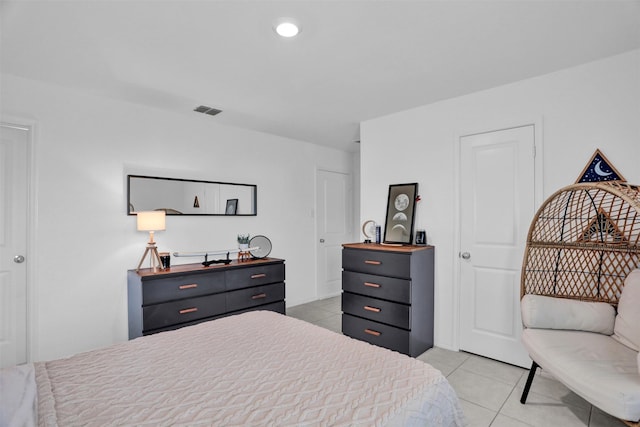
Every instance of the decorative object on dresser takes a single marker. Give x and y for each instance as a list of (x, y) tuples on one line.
[(165, 259), (259, 247), (243, 246), (387, 297), (151, 221), (192, 293), (401, 209), (369, 230)]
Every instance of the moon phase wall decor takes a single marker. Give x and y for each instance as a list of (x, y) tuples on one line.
[(599, 169), (401, 208)]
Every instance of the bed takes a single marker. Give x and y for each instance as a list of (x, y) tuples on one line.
[(258, 368)]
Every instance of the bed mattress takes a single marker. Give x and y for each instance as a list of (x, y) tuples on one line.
[(259, 369)]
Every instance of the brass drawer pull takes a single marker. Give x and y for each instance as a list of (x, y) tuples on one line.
[(259, 296), (258, 276), (371, 285), (191, 286), (372, 332), (189, 310), (372, 262), (374, 309)]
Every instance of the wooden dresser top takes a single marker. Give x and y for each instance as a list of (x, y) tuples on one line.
[(198, 267), (386, 247)]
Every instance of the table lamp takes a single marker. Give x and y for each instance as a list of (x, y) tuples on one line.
[(151, 221)]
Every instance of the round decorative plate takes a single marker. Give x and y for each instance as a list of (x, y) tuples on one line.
[(261, 246), (369, 229)]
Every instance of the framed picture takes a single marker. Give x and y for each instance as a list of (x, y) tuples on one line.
[(232, 207), (401, 208)]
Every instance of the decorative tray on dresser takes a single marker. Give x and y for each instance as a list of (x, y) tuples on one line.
[(387, 297), (187, 294)]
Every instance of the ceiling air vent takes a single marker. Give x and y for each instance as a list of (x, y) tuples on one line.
[(207, 110)]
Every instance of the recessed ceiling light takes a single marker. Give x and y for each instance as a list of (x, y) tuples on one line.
[(287, 29)]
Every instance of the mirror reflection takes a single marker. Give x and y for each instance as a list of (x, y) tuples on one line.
[(189, 197)]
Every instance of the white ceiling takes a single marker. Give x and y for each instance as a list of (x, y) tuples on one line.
[(353, 60)]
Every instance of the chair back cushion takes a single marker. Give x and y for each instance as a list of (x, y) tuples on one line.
[(542, 312), (627, 325)]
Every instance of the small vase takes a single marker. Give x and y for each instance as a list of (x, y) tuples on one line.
[(243, 246)]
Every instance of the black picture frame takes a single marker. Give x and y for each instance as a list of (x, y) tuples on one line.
[(401, 209), (232, 207)]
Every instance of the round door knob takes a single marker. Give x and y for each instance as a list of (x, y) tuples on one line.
[(321, 240), (465, 255), (18, 259)]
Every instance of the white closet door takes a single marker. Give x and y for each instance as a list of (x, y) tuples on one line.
[(13, 245), (333, 228), (497, 205)]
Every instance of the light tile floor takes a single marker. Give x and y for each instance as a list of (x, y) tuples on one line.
[(489, 391)]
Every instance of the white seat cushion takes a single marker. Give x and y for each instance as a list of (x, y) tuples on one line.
[(594, 366), (560, 313), (627, 325)]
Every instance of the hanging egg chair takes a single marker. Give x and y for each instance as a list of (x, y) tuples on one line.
[(583, 242)]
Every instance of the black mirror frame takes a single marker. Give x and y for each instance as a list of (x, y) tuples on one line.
[(130, 211)]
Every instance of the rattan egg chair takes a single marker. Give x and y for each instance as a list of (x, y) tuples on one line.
[(583, 242)]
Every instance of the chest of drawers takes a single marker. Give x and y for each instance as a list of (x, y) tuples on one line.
[(387, 297), (189, 294)]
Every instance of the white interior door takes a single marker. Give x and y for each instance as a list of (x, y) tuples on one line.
[(333, 228), (13, 245), (497, 202)]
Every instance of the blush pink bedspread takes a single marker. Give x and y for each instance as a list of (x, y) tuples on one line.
[(256, 369)]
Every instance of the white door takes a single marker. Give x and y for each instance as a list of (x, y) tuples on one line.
[(13, 245), (333, 228), (497, 205)]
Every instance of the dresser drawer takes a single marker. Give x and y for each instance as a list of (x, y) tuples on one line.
[(379, 310), (377, 262), (383, 287), (376, 333), (278, 307), (160, 315), (184, 286), (253, 276), (252, 297)]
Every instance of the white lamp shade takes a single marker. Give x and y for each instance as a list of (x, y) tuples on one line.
[(151, 220)]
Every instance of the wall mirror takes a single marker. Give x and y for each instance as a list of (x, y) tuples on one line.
[(189, 196)]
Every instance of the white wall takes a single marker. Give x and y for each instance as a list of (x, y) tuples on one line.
[(85, 242), (596, 105)]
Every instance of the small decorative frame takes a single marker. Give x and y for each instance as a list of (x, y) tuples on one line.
[(232, 207), (401, 208), (599, 169)]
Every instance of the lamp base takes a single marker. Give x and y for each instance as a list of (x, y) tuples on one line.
[(151, 247)]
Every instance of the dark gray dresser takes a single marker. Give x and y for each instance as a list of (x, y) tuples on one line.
[(387, 297), (188, 294)]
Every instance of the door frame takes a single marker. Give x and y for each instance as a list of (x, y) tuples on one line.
[(537, 124), (31, 294)]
